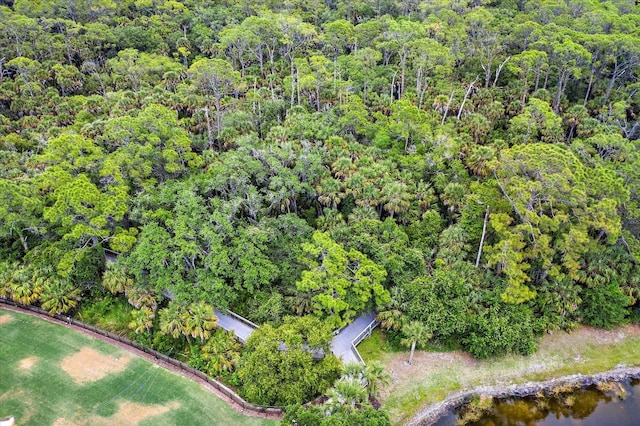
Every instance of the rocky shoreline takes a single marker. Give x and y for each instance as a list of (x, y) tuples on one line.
[(433, 412)]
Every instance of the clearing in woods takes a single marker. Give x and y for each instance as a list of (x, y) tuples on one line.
[(54, 375)]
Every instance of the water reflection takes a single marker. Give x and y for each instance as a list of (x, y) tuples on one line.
[(617, 404)]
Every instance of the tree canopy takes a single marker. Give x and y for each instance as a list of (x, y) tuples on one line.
[(457, 167)]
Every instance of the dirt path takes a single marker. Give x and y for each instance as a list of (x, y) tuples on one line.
[(554, 350), (238, 408)]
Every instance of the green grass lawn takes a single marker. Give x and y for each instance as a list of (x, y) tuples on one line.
[(43, 392)]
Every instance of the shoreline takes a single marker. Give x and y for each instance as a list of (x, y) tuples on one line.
[(432, 413)]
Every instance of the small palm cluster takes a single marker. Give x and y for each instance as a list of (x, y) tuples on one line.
[(358, 385), (29, 285), (193, 320), (219, 351)]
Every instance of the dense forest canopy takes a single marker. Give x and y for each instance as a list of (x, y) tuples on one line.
[(469, 165)]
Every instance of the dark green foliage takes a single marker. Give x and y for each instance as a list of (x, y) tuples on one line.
[(88, 267), (500, 328), (444, 301), (263, 307), (111, 313), (314, 416), (604, 306), (386, 244), (556, 305)]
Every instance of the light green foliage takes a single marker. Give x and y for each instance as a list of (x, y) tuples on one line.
[(555, 207), (80, 207), (279, 367), (150, 147), (537, 122), (19, 211), (341, 282), (72, 153), (135, 70), (529, 66)]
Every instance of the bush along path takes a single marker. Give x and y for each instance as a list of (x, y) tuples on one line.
[(343, 344)]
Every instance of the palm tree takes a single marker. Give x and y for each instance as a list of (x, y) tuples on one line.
[(201, 320), (116, 280), (454, 196), (329, 192), (59, 295), (477, 124), (425, 195), (415, 332), (480, 159), (359, 214), (25, 287), (300, 302), (142, 320), (347, 393), (375, 375), (6, 269), (396, 197), (368, 376), (222, 351), (139, 297), (391, 318), (173, 320), (343, 167), (354, 371)]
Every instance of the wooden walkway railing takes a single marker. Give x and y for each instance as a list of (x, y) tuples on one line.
[(360, 337)]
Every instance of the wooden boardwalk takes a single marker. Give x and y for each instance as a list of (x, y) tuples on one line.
[(343, 344), (241, 327)]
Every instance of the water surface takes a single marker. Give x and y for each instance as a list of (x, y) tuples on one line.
[(585, 407)]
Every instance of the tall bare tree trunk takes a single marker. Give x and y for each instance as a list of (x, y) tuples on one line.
[(446, 109), (484, 233), (466, 95), (413, 348)]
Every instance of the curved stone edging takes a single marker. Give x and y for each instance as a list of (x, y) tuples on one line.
[(433, 412)]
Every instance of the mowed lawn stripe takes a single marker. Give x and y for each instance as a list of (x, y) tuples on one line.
[(37, 391)]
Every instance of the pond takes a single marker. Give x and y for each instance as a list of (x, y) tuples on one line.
[(610, 404)]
